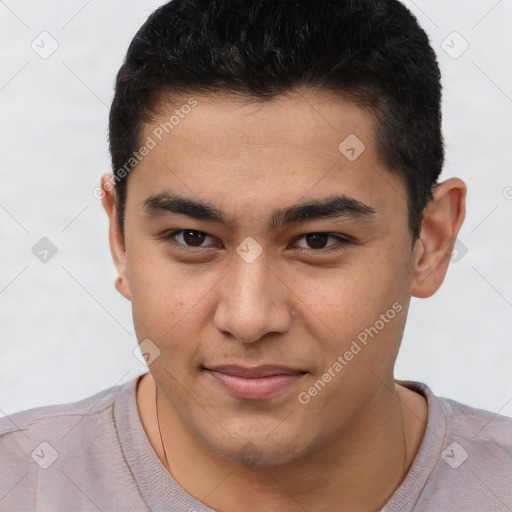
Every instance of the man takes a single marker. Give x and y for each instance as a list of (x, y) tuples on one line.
[(273, 208)]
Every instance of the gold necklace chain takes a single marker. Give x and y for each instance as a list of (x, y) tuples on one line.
[(159, 431)]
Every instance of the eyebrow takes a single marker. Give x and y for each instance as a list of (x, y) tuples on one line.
[(330, 207)]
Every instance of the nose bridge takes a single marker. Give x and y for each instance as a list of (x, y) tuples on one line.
[(250, 283), (252, 303)]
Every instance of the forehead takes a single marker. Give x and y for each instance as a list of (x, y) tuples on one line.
[(233, 151), (295, 121)]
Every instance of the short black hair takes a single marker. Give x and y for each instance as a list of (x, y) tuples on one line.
[(372, 52)]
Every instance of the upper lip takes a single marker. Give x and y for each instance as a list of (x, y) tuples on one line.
[(257, 371)]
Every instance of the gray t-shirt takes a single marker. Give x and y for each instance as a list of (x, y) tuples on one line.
[(94, 455)]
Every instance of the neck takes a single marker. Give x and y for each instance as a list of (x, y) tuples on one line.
[(374, 452)]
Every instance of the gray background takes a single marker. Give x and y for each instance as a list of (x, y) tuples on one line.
[(65, 331)]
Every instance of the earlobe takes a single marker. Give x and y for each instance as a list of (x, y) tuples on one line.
[(442, 220), (116, 241)]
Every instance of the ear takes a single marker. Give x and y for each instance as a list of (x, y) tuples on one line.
[(442, 220), (117, 248)]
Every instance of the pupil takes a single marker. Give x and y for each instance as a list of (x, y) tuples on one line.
[(196, 237), (317, 240)]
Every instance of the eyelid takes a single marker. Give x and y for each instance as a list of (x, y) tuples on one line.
[(342, 241), (339, 236), (169, 236)]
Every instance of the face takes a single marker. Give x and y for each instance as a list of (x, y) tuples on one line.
[(268, 259)]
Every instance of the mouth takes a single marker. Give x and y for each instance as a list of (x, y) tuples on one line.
[(254, 383)]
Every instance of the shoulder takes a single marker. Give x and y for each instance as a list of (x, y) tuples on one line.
[(478, 428), (470, 457), (485, 433), (24, 431), (55, 416), (43, 434), (48, 452)]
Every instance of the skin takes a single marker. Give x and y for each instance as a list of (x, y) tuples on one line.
[(205, 307)]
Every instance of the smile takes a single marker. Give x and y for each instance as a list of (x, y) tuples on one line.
[(254, 383)]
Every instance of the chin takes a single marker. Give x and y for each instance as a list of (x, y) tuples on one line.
[(261, 451), (259, 455)]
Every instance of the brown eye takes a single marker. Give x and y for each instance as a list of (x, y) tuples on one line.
[(188, 238), (193, 238), (317, 240), (321, 242)]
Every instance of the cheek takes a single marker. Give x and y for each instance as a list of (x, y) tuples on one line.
[(348, 299), (357, 313), (354, 371), (382, 278), (159, 286), (159, 301)]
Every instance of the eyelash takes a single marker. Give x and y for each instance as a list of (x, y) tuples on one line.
[(342, 242)]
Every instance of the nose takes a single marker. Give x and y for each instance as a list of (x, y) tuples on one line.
[(253, 302)]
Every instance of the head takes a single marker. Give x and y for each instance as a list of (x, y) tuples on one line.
[(298, 145)]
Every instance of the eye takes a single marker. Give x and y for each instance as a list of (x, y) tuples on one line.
[(314, 242), (319, 242), (188, 237)]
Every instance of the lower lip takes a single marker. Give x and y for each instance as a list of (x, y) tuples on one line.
[(257, 387)]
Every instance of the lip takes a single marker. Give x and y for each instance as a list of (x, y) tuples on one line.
[(254, 383)]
